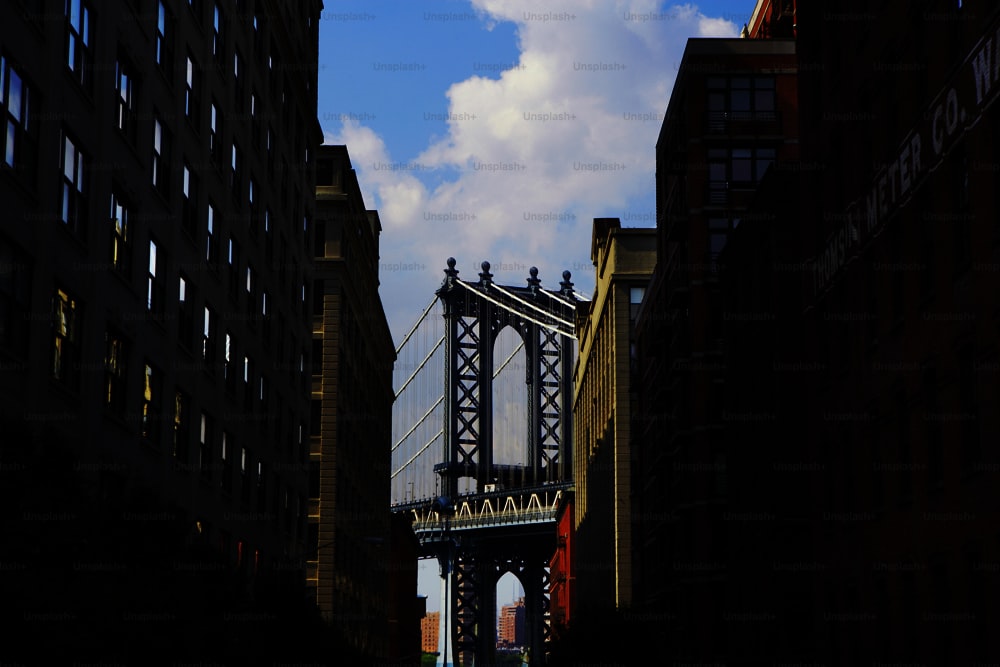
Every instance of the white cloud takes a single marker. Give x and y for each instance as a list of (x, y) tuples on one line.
[(538, 152)]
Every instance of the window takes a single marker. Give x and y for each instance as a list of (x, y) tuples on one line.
[(215, 135), (248, 381), (718, 232), (208, 338), (233, 259), (191, 102), (189, 205), (258, 36), (972, 451), (927, 248), (254, 120), (735, 167), (269, 146), (151, 397), (17, 141), (933, 428), (635, 295), (261, 487), (269, 236), (959, 209), (229, 368), (185, 313), (226, 458), (245, 474), (65, 338), (15, 298), (217, 33), (271, 72), (161, 158), (252, 196), (125, 99), (115, 365), (164, 39), (78, 40), (740, 98), (181, 426), (240, 80), (211, 241), (265, 317), (205, 446), (154, 280), (251, 288), (73, 210), (121, 238), (236, 171)]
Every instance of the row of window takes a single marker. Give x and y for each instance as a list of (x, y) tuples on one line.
[(18, 141), (192, 78)]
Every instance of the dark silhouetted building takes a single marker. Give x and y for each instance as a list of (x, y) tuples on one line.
[(899, 324), (406, 608), (861, 355), (731, 117), (157, 183), (349, 517)]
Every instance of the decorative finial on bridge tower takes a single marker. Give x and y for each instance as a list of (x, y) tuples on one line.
[(533, 281), (485, 278), (567, 286), (451, 273)]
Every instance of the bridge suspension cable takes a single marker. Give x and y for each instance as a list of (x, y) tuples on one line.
[(414, 457), (419, 320), (422, 363), (417, 410), (419, 422), (508, 360), (550, 327), (531, 305), (558, 298)]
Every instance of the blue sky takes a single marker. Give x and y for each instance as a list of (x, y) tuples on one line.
[(498, 129)]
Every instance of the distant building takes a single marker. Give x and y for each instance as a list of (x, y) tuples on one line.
[(602, 456), (157, 185), (510, 628), (429, 631), (350, 443)]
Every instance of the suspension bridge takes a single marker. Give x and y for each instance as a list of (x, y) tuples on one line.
[(482, 447)]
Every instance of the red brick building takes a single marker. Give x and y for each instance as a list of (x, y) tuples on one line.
[(429, 626), (510, 627)]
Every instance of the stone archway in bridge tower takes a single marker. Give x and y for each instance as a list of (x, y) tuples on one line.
[(533, 576), (511, 398)]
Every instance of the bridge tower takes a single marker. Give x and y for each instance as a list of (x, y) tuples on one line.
[(507, 523)]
